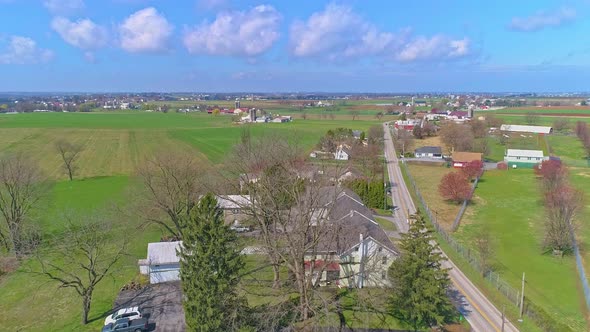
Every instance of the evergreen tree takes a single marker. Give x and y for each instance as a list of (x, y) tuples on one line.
[(210, 263), (419, 283)]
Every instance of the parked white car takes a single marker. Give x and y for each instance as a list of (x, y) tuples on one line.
[(130, 313)]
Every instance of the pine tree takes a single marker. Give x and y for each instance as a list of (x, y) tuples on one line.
[(419, 283), (210, 264)]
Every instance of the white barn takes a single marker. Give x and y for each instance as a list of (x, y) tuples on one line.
[(162, 263), (524, 158), (526, 129)]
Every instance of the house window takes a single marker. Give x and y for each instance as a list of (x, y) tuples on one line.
[(384, 260), (332, 275), (235, 211), (380, 249), (356, 248), (383, 275)]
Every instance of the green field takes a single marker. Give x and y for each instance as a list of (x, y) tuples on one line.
[(60, 309), (508, 204), (114, 145)]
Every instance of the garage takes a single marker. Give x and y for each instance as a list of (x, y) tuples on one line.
[(162, 263)]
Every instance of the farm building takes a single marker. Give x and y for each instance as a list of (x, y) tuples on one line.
[(524, 158), (342, 153), (162, 263), (406, 124), (233, 207), (429, 152), (461, 159), (526, 129)]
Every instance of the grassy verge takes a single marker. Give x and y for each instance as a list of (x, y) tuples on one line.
[(386, 224), (499, 300)]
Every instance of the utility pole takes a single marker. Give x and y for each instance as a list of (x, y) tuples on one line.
[(521, 299)]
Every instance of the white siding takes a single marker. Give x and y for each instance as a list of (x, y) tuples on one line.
[(164, 273)]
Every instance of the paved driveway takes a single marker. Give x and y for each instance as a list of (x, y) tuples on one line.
[(161, 303)]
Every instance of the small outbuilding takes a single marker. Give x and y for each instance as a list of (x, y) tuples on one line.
[(526, 129), (524, 158), (342, 154), (461, 159), (162, 263), (429, 152)]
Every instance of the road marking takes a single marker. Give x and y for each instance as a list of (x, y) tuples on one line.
[(473, 304)]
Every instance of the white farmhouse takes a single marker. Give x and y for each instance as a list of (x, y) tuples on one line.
[(342, 153)]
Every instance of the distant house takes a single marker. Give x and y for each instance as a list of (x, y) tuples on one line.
[(524, 158), (461, 159), (282, 119), (356, 134), (233, 207), (406, 124), (420, 103), (342, 153), (356, 252), (162, 263), (429, 152), (526, 129)]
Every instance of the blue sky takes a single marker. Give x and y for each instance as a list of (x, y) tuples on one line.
[(305, 45)]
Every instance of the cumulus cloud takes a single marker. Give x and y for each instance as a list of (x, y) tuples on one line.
[(543, 19), (24, 50), (63, 7), (238, 33), (83, 33), (145, 31), (338, 33), (436, 47)]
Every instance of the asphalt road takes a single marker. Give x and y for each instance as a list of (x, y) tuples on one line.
[(475, 307)]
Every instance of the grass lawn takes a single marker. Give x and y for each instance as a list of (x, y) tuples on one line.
[(427, 179), (508, 205), (386, 224), (60, 309)]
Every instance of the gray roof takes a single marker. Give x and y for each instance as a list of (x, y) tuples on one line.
[(348, 217), (429, 149), (524, 153), (163, 252)]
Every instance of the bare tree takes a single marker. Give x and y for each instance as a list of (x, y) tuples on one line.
[(456, 137), (69, 153), (21, 187), (403, 139), (485, 248), (82, 257), (355, 114), (379, 115), (292, 205), (562, 205), (304, 115), (172, 183), (561, 124)]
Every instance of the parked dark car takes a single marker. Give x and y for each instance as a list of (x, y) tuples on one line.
[(126, 325)]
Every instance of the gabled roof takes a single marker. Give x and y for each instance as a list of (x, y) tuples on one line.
[(349, 218), (429, 149), (465, 156), (526, 129), (232, 201), (163, 252), (524, 153)]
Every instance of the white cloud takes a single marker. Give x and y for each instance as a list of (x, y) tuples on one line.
[(212, 4), (238, 33), (83, 33), (145, 31), (64, 7), (24, 50), (338, 33), (436, 47), (543, 19)]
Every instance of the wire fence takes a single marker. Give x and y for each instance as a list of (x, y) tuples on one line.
[(545, 320), (457, 220)]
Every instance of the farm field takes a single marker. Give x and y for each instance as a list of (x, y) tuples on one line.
[(115, 143), (514, 217)]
